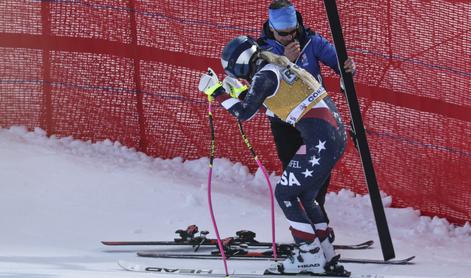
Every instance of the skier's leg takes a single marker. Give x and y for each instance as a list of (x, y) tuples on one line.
[(324, 152), (321, 197), (309, 255), (287, 197), (312, 208), (319, 222)]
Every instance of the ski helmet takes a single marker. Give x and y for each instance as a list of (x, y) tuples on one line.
[(238, 55)]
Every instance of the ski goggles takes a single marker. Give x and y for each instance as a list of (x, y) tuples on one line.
[(284, 33)]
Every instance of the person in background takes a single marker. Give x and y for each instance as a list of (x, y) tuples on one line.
[(285, 34)]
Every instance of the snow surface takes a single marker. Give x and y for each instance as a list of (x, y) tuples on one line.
[(60, 197)]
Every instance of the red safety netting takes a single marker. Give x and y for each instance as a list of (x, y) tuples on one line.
[(128, 71)]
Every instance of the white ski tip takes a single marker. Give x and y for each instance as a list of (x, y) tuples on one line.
[(130, 267)]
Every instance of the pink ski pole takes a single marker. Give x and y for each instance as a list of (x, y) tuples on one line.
[(260, 165), (211, 159)]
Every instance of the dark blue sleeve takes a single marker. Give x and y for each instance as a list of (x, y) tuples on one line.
[(325, 52), (264, 84)]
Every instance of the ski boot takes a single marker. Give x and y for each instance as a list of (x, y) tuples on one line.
[(331, 267), (306, 258)]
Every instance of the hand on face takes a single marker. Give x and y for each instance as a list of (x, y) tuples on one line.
[(292, 50), (285, 37)]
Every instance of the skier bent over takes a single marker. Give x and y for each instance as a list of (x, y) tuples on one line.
[(294, 96)]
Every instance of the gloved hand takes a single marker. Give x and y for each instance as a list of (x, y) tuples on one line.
[(209, 83), (233, 86), (350, 67)]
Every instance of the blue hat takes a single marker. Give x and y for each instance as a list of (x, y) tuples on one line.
[(283, 18)]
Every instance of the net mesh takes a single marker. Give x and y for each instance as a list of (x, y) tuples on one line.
[(128, 71)]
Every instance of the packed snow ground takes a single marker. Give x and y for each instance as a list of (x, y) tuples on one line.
[(60, 197)]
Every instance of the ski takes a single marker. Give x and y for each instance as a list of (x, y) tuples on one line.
[(213, 242), (363, 245), (243, 238), (267, 255), (138, 267)]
